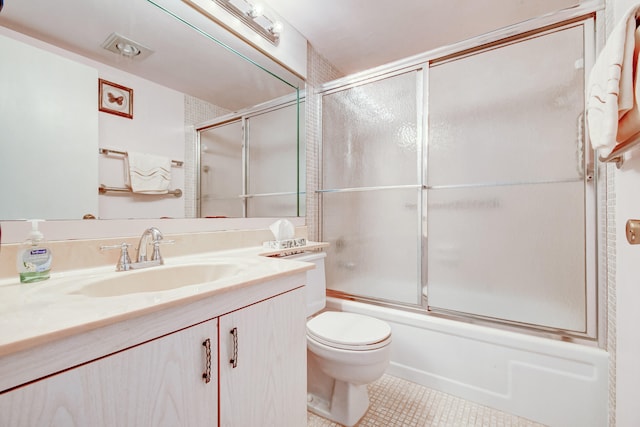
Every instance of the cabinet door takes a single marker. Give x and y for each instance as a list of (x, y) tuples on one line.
[(263, 377), (159, 383)]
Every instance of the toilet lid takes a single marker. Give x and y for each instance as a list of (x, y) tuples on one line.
[(349, 331)]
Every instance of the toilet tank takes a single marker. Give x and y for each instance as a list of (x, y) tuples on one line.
[(316, 282)]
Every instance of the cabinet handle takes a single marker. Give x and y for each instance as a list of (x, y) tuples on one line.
[(234, 359), (207, 372)]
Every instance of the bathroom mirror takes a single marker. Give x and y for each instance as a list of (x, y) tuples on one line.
[(189, 71)]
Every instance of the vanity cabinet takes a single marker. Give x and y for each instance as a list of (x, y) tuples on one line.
[(258, 376), (159, 383)]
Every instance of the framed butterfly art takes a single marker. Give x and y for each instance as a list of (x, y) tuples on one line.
[(115, 99)]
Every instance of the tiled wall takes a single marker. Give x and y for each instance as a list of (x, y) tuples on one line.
[(195, 111), (607, 203), (319, 71)]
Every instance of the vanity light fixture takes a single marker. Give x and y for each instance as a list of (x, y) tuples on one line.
[(121, 45), (253, 16)]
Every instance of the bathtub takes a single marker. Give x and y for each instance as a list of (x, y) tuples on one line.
[(549, 381)]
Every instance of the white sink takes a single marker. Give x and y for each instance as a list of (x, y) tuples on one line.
[(160, 278)]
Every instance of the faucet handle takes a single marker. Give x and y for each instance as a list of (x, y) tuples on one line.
[(123, 246), (156, 249), (124, 263)]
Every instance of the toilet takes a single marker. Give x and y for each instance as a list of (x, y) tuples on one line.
[(345, 352)]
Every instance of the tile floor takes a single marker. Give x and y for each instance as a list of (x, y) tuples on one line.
[(399, 403)]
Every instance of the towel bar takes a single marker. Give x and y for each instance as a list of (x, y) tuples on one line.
[(616, 155), (124, 153), (103, 189)]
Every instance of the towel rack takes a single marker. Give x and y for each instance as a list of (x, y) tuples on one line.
[(124, 153), (616, 155), (103, 189)]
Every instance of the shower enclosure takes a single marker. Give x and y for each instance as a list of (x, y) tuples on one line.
[(249, 163), (459, 183)]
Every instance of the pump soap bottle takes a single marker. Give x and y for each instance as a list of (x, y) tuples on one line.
[(34, 256)]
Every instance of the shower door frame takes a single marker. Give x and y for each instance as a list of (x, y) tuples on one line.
[(242, 116), (590, 16)]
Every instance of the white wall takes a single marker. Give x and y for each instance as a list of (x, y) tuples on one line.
[(157, 128), (48, 120), (628, 296)]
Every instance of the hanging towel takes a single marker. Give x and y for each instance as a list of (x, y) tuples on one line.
[(612, 102), (147, 173)]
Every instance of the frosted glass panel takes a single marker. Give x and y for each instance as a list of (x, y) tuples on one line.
[(273, 175), (272, 155), (369, 134), (510, 114), (221, 171), (374, 238), (499, 230), (512, 252)]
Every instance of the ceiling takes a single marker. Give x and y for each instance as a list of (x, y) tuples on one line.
[(182, 59), (355, 35)]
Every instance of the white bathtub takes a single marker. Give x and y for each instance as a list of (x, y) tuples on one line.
[(551, 382)]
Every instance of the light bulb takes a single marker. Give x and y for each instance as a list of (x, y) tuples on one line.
[(128, 49), (256, 11), (276, 28)]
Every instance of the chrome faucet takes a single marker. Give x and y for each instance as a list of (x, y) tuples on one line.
[(124, 262), (156, 237)]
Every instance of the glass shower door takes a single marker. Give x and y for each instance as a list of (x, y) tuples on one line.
[(506, 183), (221, 174), (274, 172), (371, 189), (253, 165)]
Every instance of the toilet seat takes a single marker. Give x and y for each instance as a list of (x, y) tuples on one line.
[(349, 331)]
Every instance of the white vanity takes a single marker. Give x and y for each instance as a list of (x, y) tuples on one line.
[(228, 352)]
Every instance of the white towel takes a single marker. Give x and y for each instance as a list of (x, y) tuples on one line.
[(612, 108), (147, 173)]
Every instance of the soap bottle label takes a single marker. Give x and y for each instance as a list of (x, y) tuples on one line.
[(36, 265)]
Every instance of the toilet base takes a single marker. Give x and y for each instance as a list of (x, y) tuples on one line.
[(348, 403)]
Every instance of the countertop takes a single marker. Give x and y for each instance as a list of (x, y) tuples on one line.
[(40, 312)]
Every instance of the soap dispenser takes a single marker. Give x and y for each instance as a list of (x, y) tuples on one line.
[(34, 256)]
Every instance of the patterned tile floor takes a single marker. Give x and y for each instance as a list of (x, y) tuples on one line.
[(399, 403)]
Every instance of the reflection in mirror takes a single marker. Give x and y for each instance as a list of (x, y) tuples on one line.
[(52, 128), (248, 167)]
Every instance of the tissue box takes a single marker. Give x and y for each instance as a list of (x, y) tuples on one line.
[(285, 244)]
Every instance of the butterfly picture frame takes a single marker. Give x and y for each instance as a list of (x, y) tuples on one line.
[(115, 99)]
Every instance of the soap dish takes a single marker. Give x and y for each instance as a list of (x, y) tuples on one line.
[(284, 244)]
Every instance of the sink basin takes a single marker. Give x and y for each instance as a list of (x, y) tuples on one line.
[(156, 279)]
